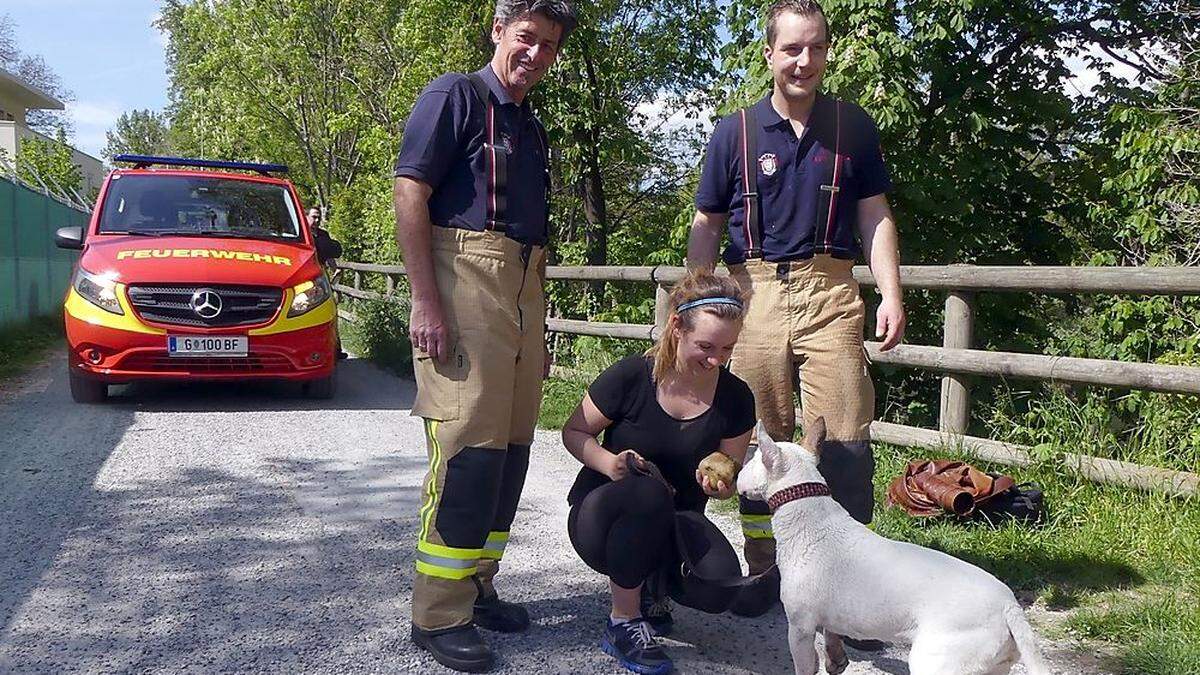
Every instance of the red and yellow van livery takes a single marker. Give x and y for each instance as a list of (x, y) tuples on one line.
[(198, 274)]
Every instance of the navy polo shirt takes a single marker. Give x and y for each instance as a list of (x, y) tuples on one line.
[(791, 172), (443, 146)]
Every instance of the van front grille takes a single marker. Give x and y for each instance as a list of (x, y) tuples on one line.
[(173, 304)]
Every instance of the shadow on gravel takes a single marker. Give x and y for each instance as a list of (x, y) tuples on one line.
[(699, 643), (50, 452), (361, 386), (207, 569), (219, 573)]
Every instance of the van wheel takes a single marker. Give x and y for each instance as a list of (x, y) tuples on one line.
[(84, 390), (322, 388)]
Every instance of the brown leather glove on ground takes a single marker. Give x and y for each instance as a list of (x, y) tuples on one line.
[(933, 487)]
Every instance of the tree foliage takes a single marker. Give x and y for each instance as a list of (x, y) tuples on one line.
[(46, 161), (999, 154), (139, 132)]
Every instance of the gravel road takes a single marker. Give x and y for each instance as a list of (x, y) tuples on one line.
[(209, 528)]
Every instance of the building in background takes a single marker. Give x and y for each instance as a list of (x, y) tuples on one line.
[(16, 98)]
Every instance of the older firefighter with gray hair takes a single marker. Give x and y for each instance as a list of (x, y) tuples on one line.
[(471, 198)]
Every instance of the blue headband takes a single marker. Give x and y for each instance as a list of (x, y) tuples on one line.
[(709, 301)]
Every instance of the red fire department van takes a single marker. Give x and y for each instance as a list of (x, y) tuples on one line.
[(197, 269)]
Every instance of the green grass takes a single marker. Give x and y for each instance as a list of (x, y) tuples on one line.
[(1123, 563), (1122, 567), (24, 344), (559, 398)]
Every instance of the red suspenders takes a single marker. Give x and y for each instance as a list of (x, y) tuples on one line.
[(751, 225), (823, 228), (497, 160)]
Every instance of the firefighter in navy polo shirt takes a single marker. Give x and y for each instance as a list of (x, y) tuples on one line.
[(799, 181), (471, 193)]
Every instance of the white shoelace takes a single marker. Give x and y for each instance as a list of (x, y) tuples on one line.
[(641, 634)]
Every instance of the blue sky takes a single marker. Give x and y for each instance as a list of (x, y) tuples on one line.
[(105, 51)]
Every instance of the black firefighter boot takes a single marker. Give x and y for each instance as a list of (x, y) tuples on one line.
[(760, 595), (459, 648), (492, 613)]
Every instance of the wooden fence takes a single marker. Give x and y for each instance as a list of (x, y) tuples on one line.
[(955, 359)]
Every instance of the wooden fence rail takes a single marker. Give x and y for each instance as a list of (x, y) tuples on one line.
[(955, 358)]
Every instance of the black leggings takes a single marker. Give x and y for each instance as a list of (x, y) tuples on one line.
[(624, 529)]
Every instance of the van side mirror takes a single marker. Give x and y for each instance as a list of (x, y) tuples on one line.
[(328, 248), (69, 237)]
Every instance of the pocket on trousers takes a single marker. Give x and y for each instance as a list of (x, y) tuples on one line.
[(439, 385)]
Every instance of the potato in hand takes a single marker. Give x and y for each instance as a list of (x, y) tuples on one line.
[(719, 467)]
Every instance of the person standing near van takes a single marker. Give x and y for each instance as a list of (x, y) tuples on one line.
[(798, 180), (471, 200)]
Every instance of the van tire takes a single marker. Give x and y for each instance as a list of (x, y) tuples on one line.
[(322, 388), (85, 390)]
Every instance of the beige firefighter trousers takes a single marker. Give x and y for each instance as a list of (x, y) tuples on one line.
[(480, 408), (806, 320)]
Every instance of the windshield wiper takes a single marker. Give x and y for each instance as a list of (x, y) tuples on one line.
[(135, 233), (265, 234)]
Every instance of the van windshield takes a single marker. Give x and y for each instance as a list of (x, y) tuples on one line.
[(198, 206)]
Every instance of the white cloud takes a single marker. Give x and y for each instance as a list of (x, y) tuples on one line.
[(92, 119), (1085, 77), (665, 113)]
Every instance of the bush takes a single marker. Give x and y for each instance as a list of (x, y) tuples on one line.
[(381, 334)]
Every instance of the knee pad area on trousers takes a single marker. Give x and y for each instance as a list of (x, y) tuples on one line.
[(849, 469), (470, 493)]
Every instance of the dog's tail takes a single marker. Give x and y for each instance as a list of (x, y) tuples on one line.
[(1022, 634)]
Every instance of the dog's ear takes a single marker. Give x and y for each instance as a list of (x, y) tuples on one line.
[(814, 436), (767, 447)]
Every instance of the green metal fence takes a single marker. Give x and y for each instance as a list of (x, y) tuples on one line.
[(34, 273)]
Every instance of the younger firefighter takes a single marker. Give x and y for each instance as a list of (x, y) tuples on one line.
[(794, 178)]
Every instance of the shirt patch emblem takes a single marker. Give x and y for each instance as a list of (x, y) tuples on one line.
[(506, 143), (768, 163)]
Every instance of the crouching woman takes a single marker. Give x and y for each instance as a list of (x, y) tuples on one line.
[(672, 406)]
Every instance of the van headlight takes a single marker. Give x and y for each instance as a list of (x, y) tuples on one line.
[(101, 291), (308, 295)]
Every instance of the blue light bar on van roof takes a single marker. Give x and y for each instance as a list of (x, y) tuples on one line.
[(143, 161)]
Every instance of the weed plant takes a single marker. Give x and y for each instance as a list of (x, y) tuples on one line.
[(22, 345)]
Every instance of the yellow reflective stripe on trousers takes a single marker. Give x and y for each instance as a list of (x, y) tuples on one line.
[(447, 562), (757, 526), (494, 548), (435, 459)]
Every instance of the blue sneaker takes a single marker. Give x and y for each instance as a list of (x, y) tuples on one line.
[(632, 643)]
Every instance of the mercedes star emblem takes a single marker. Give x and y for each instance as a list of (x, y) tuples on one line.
[(206, 303)]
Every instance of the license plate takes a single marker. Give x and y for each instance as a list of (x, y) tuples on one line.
[(208, 345)]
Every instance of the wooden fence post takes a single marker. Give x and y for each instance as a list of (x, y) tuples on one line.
[(390, 282), (357, 280), (662, 308), (957, 329)]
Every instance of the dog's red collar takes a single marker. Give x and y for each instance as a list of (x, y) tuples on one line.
[(795, 492)]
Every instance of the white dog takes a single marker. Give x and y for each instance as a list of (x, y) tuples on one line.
[(842, 578)]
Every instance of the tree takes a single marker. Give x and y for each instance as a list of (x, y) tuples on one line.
[(139, 132), (33, 70), (44, 161), (620, 169), (321, 86)]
